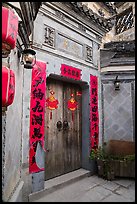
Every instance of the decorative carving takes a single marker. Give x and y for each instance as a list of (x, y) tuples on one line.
[(99, 38), (88, 53), (60, 14), (82, 28), (101, 13), (49, 36)]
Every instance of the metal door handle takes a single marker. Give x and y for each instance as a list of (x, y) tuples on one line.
[(59, 125), (65, 125)]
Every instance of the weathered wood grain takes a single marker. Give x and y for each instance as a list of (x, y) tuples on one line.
[(65, 145)]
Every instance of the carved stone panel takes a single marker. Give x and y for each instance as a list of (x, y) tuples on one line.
[(49, 36), (88, 53), (69, 46)]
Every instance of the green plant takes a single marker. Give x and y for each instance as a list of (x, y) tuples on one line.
[(122, 158), (98, 153), (109, 165)]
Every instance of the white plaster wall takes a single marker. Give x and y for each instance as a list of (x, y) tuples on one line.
[(13, 139)]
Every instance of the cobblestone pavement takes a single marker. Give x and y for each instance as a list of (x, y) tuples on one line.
[(94, 189)]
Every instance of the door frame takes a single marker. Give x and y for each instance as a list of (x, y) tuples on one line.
[(86, 163), (57, 84)]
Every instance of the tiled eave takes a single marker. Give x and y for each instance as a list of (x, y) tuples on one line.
[(123, 46), (82, 9), (118, 54), (111, 9), (118, 4)]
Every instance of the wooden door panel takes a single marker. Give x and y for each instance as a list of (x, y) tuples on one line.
[(53, 137), (65, 145), (72, 141)]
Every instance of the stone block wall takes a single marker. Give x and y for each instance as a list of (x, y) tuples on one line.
[(118, 113)]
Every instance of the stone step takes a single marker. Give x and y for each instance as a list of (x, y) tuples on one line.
[(52, 185)]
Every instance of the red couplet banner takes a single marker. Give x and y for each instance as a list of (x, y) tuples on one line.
[(37, 112), (94, 117), (70, 72)]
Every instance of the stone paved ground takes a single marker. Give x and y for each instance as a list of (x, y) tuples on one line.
[(94, 189)]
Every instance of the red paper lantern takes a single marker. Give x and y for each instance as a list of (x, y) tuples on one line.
[(8, 86), (9, 30)]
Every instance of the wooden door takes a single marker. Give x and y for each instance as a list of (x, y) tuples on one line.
[(63, 137)]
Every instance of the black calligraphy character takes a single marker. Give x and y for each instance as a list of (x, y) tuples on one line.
[(37, 119), (69, 71), (64, 70), (94, 117), (94, 100), (95, 143), (33, 160), (77, 74), (95, 135), (94, 109), (94, 82), (36, 133), (38, 81), (38, 107), (35, 146), (73, 72), (94, 126), (94, 91), (38, 94)]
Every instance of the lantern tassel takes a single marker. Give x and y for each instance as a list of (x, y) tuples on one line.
[(50, 115), (72, 116)]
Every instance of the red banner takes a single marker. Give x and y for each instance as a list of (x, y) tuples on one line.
[(37, 110), (94, 117), (70, 72)]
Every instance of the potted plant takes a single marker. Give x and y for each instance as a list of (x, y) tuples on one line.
[(105, 169), (124, 166), (110, 166)]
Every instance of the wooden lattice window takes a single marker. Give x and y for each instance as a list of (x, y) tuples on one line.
[(124, 21)]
